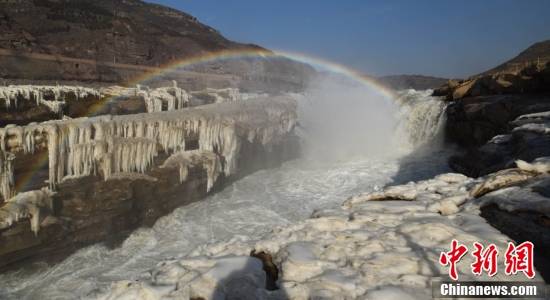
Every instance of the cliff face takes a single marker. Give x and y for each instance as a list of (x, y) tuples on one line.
[(120, 40), (128, 31)]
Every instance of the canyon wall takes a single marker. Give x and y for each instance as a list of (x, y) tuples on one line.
[(105, 176)]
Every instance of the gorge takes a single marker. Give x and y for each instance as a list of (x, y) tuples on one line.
[(143, 155)]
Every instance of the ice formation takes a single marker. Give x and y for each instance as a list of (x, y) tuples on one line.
[(156, 99), (535, 122), (539, 165), (7, 179), (12, 94), (25, 205), (187, 159), (221, 95), (366, 249), (113, 145), (172, 98)]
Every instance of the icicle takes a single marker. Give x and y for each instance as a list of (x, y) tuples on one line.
[(7, 180), (185, 159), (11, 94), (53, 159), (110, 145)]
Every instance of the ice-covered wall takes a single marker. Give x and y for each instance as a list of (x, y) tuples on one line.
[(156, 99), (108, 146), (221, 95), (10, 96)]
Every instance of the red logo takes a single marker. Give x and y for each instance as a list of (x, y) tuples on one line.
[(452, 257), (517, 259), (485, 259), (520, 259)]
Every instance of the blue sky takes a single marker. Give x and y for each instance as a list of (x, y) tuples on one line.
[(440, 37)]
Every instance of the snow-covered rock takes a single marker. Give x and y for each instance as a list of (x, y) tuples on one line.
[(25, 205), (365, 250), (539, 165)]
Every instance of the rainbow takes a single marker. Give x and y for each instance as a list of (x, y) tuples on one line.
[(261, 53), (322, 64), (41, 159)]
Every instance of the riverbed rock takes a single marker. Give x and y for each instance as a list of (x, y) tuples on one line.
[(526, 138)]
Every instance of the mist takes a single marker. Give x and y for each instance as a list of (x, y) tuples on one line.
[(342, 118)]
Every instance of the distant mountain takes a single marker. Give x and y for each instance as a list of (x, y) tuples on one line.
[(417, 82), (108, 41), (536, 53)]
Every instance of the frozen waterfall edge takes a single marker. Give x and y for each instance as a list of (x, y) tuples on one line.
[(109, 175)]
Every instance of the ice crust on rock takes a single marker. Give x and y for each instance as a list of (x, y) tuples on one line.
[(12, 94), (111, 145), (364, 250), (186, 159), (25, 205), (156, 99), (499, 180), (539, 165), (174, 98)]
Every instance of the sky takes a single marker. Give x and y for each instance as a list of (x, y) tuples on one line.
[(452, 39)]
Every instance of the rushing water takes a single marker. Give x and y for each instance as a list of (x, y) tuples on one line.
[(250, 207)]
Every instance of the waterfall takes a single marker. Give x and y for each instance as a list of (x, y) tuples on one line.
[(422, 117)]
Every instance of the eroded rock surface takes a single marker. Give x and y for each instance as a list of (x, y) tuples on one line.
[(527, 138)]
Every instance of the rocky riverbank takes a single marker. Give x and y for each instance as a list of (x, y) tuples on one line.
[(500, 115)]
